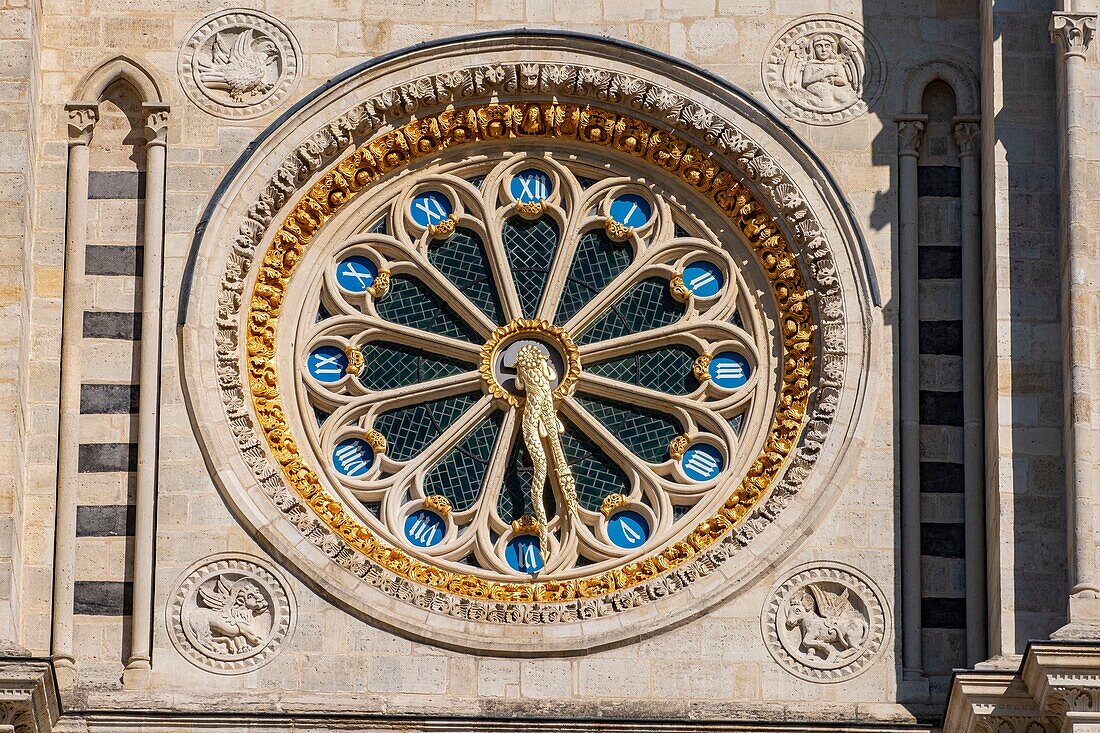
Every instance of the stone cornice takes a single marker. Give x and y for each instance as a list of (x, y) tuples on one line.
[(1056, 682), (29, 699)]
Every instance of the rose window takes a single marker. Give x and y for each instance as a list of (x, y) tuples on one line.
[(533, 365)]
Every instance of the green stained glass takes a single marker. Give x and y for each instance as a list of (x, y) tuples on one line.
[(646, 306), (462, 260), (645, 432), (412, 428), (531, 246), (461, 473), (597, 262), (595, 473), (596, 476), (737, 422), (668, 369), (411, 303), (379, 226), (387, 366)]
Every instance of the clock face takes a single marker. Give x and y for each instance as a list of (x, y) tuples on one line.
[(531, 366)]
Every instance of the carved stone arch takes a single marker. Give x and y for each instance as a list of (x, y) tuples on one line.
[(949, 71), (358, 132), (119, 68)]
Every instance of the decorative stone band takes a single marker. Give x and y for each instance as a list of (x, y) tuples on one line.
[(758, 169), (590, 125)]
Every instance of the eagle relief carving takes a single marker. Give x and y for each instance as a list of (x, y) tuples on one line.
[(244, 66), (239, 63)]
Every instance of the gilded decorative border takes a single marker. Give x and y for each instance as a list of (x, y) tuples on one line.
[(585, 124)]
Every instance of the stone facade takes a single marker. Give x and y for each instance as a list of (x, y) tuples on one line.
[(933, 170)]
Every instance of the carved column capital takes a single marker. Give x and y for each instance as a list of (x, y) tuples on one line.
[(910, 134), (1072, 32), (968, 136), (156, 123), (83, 117)]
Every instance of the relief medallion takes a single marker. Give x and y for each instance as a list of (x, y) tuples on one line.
[(230, 614), (823, 70), (239, 64), (825, 622)]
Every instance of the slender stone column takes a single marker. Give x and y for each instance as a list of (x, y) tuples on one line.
[(82, 120), (968, 133), (156, 133), (910, 134), (1073, 33)]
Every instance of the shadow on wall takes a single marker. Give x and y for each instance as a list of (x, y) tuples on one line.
[(1022, 392)]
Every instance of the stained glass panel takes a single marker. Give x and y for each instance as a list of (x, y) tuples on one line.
[(597, 261), (645, 432), (530, 247), (388, 365), (411, 303), (462, 260), (461, 473), (412, 428), (667, 369), (646, 306)]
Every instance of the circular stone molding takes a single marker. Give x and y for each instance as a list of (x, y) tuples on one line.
[(230, 614), (826, 622), (343, 148), (823, 69), (239, 64)]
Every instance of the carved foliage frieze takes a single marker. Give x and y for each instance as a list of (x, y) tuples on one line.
[(239, 64), (230, 614), (823, 69)]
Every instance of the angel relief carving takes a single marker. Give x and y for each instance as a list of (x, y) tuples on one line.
[(825, 70)]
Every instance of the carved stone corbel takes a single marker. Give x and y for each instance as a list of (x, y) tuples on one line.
[(82, 120), (156, 123), (1072, 32)]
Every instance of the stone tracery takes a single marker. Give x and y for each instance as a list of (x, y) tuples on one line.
[(760, 173), (639, 338)]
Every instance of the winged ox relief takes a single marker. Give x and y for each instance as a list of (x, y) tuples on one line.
[(831, 626)]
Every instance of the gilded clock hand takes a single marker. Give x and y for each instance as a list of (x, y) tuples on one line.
[(534, 375)]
